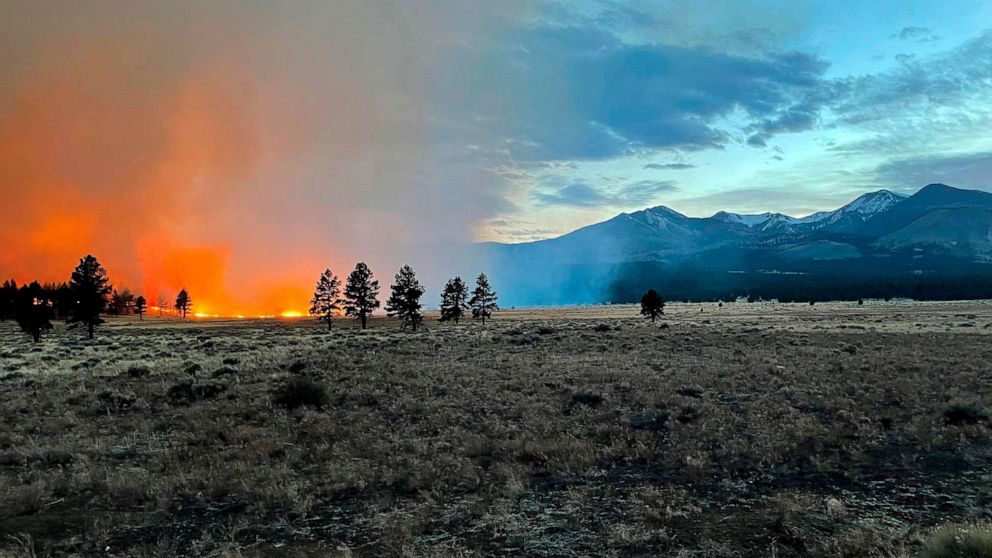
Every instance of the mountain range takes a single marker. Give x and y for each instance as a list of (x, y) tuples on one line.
[(922, 245)]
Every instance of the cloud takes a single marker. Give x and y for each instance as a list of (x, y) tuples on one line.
[(973, 170), (951, 79), (579, 92), (559, 191), (669, 166), (917, 34)]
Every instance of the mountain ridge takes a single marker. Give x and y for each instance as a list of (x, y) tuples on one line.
[(938, 231)]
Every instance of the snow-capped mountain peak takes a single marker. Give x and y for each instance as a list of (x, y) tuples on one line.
[(748, 220), (867, 205)]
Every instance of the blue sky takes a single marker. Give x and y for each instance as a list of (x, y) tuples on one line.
[(579, 110)]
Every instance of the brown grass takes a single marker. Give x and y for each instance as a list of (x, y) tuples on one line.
[(782, 431)]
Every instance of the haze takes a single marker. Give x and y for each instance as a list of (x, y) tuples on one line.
[(239, 148)]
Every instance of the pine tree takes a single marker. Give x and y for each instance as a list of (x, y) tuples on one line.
[(652, 305), (139, 307), (326, 299), (8, 293), (361, 294), (121, 302), (33, 311), (404, 301), (483, 301), (89, 289), (454, 300), (183, 303)]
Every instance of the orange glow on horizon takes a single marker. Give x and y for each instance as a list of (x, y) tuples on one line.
[(168, 178)]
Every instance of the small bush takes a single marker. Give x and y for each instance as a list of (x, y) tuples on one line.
[(297, 367), (138, 371), (115, 401), (602, 328), (958, 415), (690, 391), (652, 419), (545, 330), (972, 541), (231, 361), (299, 392), (587, 398), (188, 391)]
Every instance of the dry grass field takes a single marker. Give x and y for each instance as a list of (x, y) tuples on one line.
[(749, 430)]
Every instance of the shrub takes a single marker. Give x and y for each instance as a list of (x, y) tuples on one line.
[(224, 371), (138, 371), (651, 419), (602, 328), (299, 392), (587, 398), (545, 330), (112, 401), (297, 367), (957, 415), (188, 391), (971, 541)]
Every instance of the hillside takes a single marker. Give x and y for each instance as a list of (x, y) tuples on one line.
[(882, 239)]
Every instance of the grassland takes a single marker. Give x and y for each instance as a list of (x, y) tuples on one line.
[(747, 430)]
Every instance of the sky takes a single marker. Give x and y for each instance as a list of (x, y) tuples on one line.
[(237, 148)]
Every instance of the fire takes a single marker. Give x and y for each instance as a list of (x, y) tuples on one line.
[(100, 159)]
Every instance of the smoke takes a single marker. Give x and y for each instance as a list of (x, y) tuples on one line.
[(232, 148)]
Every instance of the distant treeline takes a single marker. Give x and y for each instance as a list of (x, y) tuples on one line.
[(88, 295), (701, 285)]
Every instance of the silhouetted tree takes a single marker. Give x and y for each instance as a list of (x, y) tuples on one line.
[(326, 298), (139, 307), (652, 305), (33, 311), (183, 303), (8, 293), (361, 294), (404, 300), (121, 302), (59, 297), (454, 300), (163, 305), (89, 289), (483, 302)]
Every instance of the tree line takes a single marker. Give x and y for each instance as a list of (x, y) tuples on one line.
[(88, 295), (81, 301), (360, 298)]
